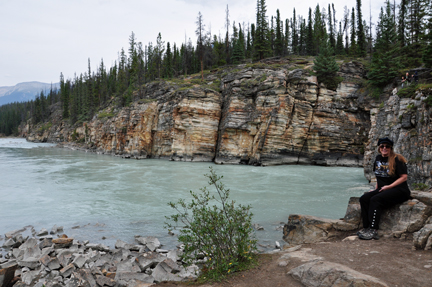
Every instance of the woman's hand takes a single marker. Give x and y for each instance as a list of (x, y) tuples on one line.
[(400, 180)]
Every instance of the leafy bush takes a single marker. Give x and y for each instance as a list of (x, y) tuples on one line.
[(223, 233)]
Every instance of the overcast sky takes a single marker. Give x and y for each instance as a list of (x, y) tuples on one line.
[(41, 38)]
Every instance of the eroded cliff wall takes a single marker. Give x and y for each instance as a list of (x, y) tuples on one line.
[(257, 115), (407, 121)]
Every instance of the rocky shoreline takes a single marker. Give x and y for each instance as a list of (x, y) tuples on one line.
[(53, 259)]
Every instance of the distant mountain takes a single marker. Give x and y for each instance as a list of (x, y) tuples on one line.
[(23, 92)]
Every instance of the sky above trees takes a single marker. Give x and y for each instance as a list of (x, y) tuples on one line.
[(41, 39)]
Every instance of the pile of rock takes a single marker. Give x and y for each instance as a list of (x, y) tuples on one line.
[(42, 260)]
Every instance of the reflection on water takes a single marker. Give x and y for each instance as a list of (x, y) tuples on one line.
[(114, 198)]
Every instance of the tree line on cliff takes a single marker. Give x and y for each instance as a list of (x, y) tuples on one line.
[(403, 39)]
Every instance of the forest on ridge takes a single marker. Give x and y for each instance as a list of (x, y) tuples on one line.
[(401, 39)]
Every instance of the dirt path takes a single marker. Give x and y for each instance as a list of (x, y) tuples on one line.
[(389, 259)]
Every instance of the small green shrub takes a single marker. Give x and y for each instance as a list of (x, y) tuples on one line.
[(105, 114), (420, 186), (223, 233), (408, 91)]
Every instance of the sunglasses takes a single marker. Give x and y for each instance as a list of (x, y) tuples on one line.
[(385, 146)]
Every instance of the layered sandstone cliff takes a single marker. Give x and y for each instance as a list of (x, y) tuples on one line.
[(262, 115)]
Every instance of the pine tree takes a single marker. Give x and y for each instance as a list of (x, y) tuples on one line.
[(286, 38), (64, 97), (326, 68), (168, 62), (279, 38), (361, 41), (200, 47), (310, 50), (332, 40), (294, 33), (261, 41), (239, 51), (353, 44), (384, 65), (402, 22)]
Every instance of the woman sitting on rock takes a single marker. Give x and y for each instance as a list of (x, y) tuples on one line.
[(391, 188)]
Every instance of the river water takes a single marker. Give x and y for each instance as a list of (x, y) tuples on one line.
[(104, 198)]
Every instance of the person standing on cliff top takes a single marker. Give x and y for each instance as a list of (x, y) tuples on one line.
[(391, 188)]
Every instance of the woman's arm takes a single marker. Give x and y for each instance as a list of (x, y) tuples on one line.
[(398, 181)]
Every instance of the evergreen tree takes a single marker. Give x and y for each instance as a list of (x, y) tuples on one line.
[(319, 30), (384, 65), (286, 38), (339, 41), (361, 41), (261, 41), (326, 68), (64, 97), (294, 33), (239, 51), (353, 44), (279, 47), (332, 40), (310, 50), (200, 47), (168, 62), (402, 22)]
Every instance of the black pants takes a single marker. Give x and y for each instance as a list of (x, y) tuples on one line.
[(373, 203)]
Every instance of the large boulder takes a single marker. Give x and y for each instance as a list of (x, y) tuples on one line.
[(404, 218), (323, 274)]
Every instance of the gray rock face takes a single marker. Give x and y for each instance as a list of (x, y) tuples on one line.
[(408, 123), (328, 274)]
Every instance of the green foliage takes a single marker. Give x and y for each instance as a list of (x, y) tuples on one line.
[(45, 127), (105, 114), (222, 232), (427, 55), (326, 68), (420, 186), (408, 91)]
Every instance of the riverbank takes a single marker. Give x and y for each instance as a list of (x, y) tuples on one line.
[(64, 261), (389, 260)]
